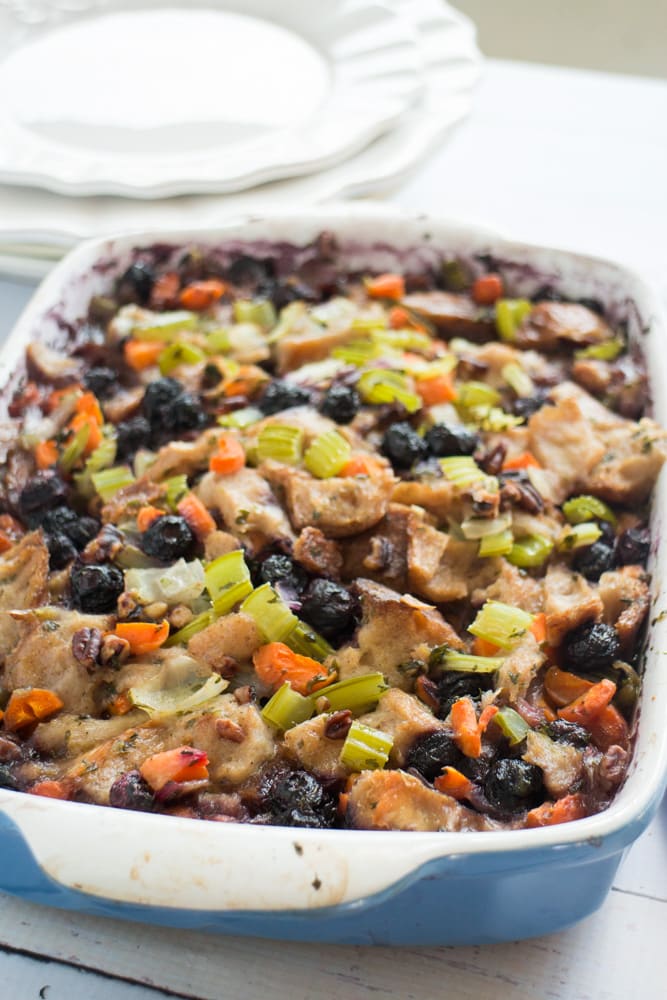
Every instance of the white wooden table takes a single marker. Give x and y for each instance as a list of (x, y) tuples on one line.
[(564, 157)]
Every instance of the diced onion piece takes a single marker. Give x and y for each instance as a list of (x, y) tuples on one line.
[(587, 508), (281, 443), (607, 350), (496, 545), (164, 326), (179, 353), (244, 417), (259, 311), (198, 624), (307, 642), (177, 487), (477, 394), (181, 583), (501, 624), (479, 527), (327, 455), (462, 470), (533, 550), (510, 314), (576, 536), (513, 726), (518, 379), (381, 385), (467, 663), (365, 749), (172, 701), (287, 708), (271, 615), (107, 482), (359, 694), (228, 581)]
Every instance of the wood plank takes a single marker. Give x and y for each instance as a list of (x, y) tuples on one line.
[(588, 962), (25, 978)]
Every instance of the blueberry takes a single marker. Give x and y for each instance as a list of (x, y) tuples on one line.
[(455, 684), (329, 608), (64, 521), (168, 538), (101, 381), (136, 284), (96, 589), (568, 732), (430, 752), (591, 647), (130, 791), (296, 798), (525, 406), (633, 546), (451, 439), (41, 493), (131, 435), (186, 415), (341, 403), (280, 395), (168, 407), (249, 272), (282, 569), (403, 446), (594, 560), (513, 785), (8, 779), (159, 396)]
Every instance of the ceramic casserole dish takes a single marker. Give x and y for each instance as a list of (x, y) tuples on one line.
[(348, 886)]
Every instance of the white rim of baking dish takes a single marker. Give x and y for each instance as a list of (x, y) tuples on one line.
[(173, 862)]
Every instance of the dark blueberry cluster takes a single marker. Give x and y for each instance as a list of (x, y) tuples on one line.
[(67, 534), (130, 791), (404, 447), (171, 409), (341, 403), (330, 608), (591, 647), (281, 395), (430, 752), (283, 570), (131, 435), (168, 538), (101, 381), (136, 284), (568, 732), (512, 785), (95, 589), (296, 798), (41, 494)]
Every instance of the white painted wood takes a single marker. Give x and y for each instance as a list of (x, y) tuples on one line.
[(26, 978)]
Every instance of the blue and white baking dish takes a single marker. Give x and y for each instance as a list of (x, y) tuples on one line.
[(342, 885)]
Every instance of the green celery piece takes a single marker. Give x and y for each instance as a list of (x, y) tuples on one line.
[(501, 624), (579, 535), (218, 341), (533, 550), (606, 350), (510, 314), (165, 326), (518, 379), (476, 394), (177, 487), (179, 353), (307, 642), (107, 482), (365, 748), (198, 624), (287, 708), (271, 615), (261, 312), (280, 442), (75, 449), (451, 659), (183, 698), (327, 455), (381, 385), (587, 508), (512, 725), (496, 545), (244, 417), (359, 694)]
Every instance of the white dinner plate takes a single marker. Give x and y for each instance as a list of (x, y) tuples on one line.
[(148, 99), (36, 227)]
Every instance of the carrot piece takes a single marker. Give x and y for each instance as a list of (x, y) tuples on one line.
[(539, 628), (276, 663), (526, 460), (5, 542), (488, 289), (46, 454), (52, 789), (30, 705), (343, 802), (361, 465), (57, 396), (181, 764), (563, 811), (399, 318), (463, 721), (94, 432), (562, 687), (609, 729), (485, 717), (386, 286), (229, 457), (147, 515), (143, 637), (588, 705), (140, 354), (193, 511), (482, 647), (121, 705), (439, 389), (453, 783), (88, 404), (200, 295)]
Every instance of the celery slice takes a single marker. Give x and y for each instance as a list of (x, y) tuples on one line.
[(518, 379), (164, 326), (327, 455), (183, 698), (359, 694), (186, 633), (244, 417), (105, 453), (75, 449), (510, 314), (578, 535), (365, 749), (481, 527), (179, 353), (356, 352), (462, 470), (533, 550), (406, 340), (514, 727), (261, 312), (370, 322), (228, 581), (107, 482), (177, 487), (271, 615), (307, 642), (467, 663), (287, 708), (476, 394), (218, 341), (280, 442), (381, 385), (496, 545), (442, 366), (587, 508), (606, 350), (501, 624), (494, 419)]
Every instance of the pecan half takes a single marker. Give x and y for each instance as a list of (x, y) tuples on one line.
[(86, 647), (338, 724)]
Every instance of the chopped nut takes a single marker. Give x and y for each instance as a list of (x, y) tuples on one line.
[(338, 725), (180, 616), (244, 695), (86, 646), (114, 651), (126, 605), (492, 460), (105, 546), (229, 730), (226, 666), (322, 704), (157, 610)]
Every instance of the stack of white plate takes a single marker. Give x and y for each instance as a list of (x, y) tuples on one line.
[(121, 115)]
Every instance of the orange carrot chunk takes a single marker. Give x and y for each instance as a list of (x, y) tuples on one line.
[(201, 295), (563, 811), (562, 687), (539, 627), (361, 465), (87, 403), (193, 511), (46, 454), (52, 789), (439, 389), (485, 717), (482, 647), (609, 729), (29, 705), (140, 354), (181, 764), (143, 637), (487, 289), (453, 783), (386, 286), (229, 456), (463, 720), (588, 705), (147, 515), (276, 663), (526, 460)]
